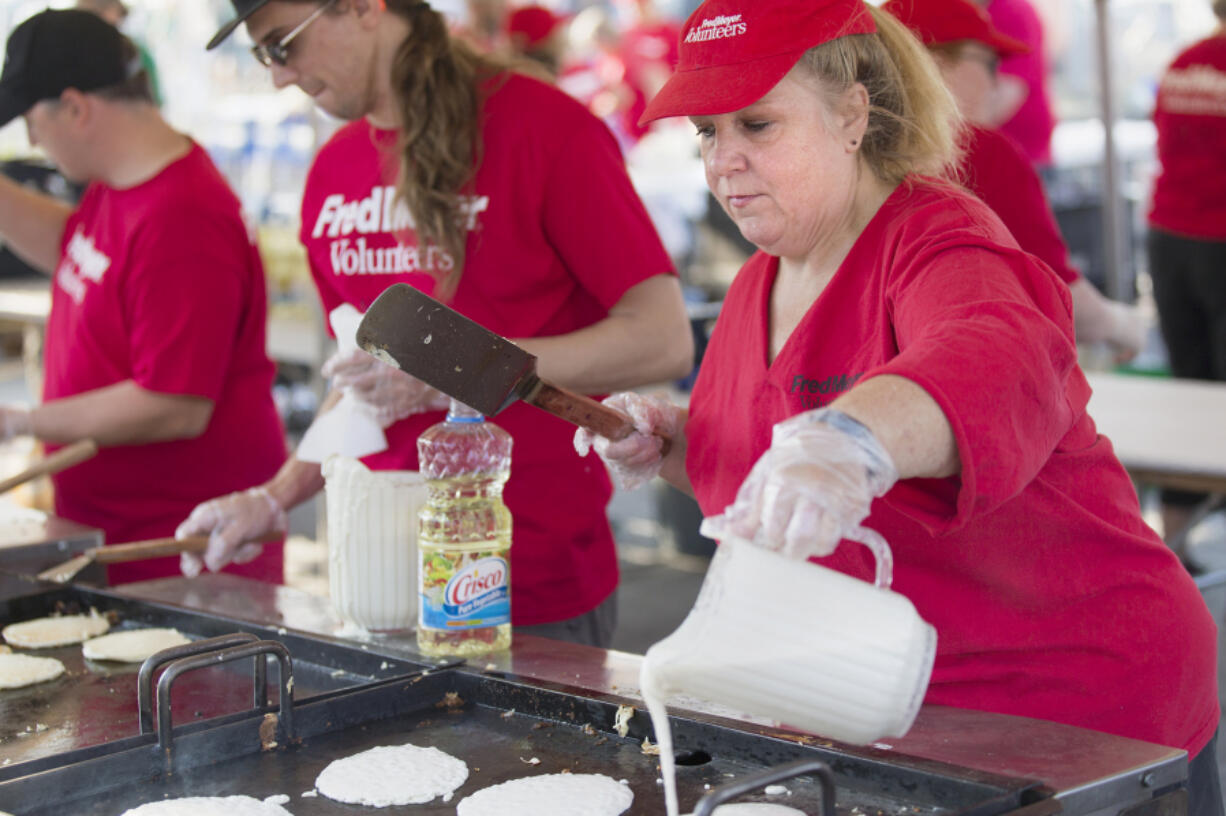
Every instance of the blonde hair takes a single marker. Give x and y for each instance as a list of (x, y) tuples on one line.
[(913, 120)]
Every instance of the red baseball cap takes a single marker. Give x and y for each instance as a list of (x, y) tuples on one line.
[(937, 22), (734, 51), (533, 23)]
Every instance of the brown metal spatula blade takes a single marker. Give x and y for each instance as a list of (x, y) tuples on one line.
[(468, 362), (409, 329)]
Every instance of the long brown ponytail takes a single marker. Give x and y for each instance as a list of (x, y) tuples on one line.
[(439, 84)]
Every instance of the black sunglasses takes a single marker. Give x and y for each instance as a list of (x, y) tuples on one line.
[(278, 52)]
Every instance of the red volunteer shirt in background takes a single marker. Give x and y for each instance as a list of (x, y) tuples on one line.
[(162, 284), (1190, 116), (995, 169), (557, 236), (1051, 597), (1033, 123), (650, 52)]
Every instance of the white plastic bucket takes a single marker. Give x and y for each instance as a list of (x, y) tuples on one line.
[(372, 543)]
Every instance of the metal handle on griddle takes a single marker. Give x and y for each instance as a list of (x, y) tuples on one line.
[(257, 649), (144, 680), (707, 804)]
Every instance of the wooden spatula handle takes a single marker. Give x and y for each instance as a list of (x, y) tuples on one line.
[(158, 547), (153, 548), (587, 413), (65, 457)]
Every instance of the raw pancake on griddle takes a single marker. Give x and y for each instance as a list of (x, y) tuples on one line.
[(550, 795), (212, 806), (392, 775), (756, 809)]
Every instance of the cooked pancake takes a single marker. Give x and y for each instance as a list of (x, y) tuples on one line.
[(132, 646), (45, 633), (19, 671)]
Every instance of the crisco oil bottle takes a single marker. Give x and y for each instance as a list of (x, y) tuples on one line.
[(464, 537)]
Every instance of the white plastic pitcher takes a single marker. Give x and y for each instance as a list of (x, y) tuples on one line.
[(372, 543), (801, 644)]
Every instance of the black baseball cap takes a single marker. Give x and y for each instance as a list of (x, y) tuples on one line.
[(243, 9), (56, 50)]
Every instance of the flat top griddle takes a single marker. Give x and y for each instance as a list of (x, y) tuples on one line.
[(95, 703), (498, 726), (13, 585), (27, 546)]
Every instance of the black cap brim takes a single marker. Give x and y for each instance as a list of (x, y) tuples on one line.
[(12, 105), (228, 29)]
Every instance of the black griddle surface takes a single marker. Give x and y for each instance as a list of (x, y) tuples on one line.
[(502, 727), (94, 703)]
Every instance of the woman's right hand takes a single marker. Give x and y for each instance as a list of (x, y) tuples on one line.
[(233, 523), (637, 459)]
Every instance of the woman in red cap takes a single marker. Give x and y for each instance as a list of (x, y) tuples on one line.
[(968, 50), (890, 356)]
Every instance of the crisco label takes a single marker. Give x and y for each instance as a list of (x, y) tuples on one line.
[(464, 590)]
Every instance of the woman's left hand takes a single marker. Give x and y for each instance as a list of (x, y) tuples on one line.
[(811, 488), (392, 393)]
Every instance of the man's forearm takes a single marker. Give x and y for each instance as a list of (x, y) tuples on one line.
[(32, 224), (121, 414)]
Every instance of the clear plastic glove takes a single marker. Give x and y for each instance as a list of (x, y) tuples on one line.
[(14, 421), (636, 459), (232, 524), (391, 393), (811, 488)]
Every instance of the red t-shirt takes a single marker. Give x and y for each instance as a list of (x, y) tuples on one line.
[(1190, 116), (1051, 597), (995, 169), (1033, 123), (161, 284), (557, 236)]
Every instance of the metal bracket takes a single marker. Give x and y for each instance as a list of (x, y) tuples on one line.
[(257, 649), (707, 804), (144, 680)]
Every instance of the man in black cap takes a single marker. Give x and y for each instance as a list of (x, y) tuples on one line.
[(155, 339)]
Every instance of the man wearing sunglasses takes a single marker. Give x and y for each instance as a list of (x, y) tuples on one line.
[(155, 339), (514, 205)]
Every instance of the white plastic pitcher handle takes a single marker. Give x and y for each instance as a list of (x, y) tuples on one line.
[(881, 551), (717, 527)]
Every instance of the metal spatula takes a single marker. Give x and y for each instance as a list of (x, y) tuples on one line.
[(409, 329), (136, 551)]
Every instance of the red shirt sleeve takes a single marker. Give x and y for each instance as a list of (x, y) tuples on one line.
[(966, 314)]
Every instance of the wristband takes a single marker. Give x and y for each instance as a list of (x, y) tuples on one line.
[(880, 467)]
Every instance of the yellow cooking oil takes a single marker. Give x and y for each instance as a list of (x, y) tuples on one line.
[(464, 537)]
